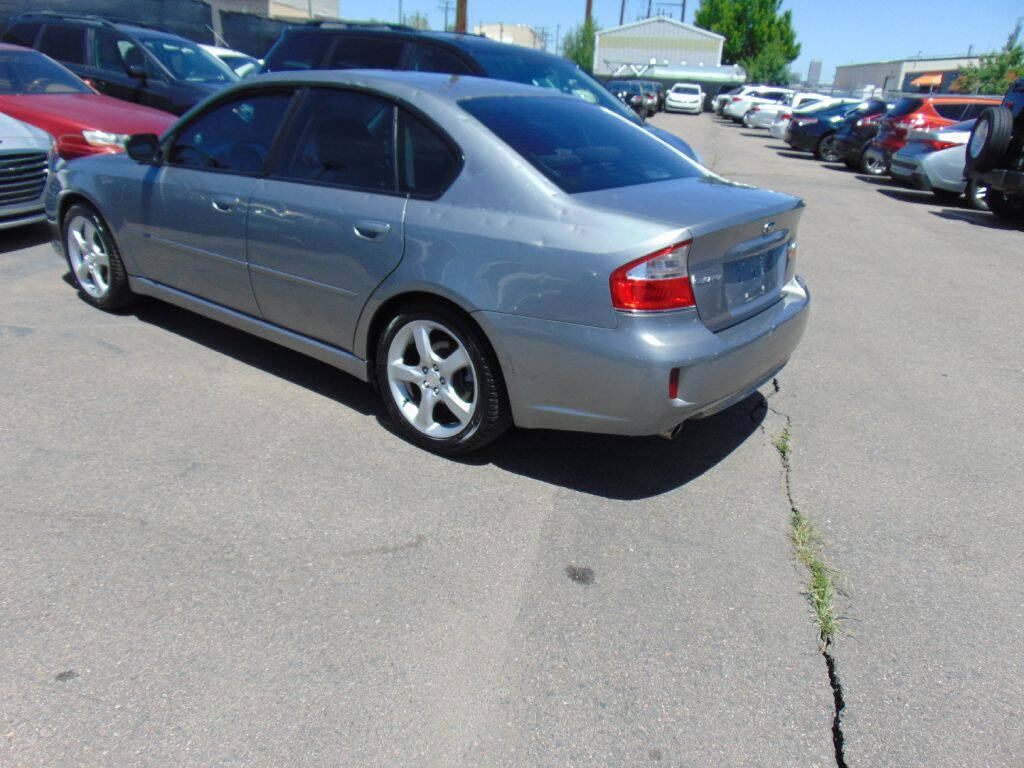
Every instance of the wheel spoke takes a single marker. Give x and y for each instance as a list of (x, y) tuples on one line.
[(82, 271), (454, 362), (461, 409), (89, 235), (425, 415), (421, 337), (83, 246), (97, 278), (101, 259), (402, 372)]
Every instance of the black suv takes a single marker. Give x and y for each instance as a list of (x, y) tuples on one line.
[(125, 61), (341, 45), (995, 154)]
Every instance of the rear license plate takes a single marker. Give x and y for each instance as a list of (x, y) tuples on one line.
[(746, 279)]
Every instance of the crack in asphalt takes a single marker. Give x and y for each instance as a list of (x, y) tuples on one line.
[(839, 703)]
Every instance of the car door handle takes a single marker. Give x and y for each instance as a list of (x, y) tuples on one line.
[(224, 204), (371, 230)]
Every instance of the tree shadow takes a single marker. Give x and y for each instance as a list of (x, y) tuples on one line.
[(24, 237), (978, 218)]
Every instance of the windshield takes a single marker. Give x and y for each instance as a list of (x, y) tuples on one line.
[(188, 62), (685, 89), (550, 71), (31, 72), (577, 148), (241, 65)]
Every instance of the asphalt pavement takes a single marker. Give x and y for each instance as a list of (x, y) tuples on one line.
[(215, 553)]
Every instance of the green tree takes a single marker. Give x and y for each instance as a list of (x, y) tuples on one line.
[(578, 44), (996, 70), (418, 20), (759, 36)]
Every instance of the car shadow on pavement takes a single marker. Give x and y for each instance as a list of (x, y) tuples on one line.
[(24, 237), (798, 155), (979, 218), (881, 181), (305, 371), (910, 195), (624, 468)]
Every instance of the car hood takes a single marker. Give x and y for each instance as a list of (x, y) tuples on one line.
[(78, 111), (674, 141), (14, 132)]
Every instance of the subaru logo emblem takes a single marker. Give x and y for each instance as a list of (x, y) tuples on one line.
[(769, 227)]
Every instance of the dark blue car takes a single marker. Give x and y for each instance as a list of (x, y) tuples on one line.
[(815, 130)]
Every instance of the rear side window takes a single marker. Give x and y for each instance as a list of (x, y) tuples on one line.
[(429, 58), (577, 147), (298, 51), (344, 138), (973, 110), (905, 107), (366, 53), (63, 43), (427, 163), (949, 111), (23, 34)]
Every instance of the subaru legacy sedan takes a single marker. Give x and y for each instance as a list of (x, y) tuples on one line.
[(485, 253)]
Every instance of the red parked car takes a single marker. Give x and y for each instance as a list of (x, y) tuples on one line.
[(924, 113), (37, 90)]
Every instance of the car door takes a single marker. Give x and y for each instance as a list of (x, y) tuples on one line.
[(107, 68), (327, 225), (192, 213)]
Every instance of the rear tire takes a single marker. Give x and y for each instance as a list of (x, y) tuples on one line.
[(826, 149), (989, 139), (1004, 206), (872, 164), (440, 381)]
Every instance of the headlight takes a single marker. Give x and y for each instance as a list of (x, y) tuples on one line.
[(105, 139)]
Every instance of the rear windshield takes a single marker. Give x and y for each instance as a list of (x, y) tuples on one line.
[(685, 89), (905, 107), (31, 72), (579, 148)]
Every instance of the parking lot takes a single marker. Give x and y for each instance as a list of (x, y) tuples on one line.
[(215, 552)]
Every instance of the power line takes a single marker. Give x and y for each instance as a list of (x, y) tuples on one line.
[(446, 6)]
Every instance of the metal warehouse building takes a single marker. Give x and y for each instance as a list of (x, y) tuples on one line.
[(661, 48), (908, 75)]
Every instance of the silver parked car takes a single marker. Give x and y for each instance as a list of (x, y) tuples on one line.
[(25, 156), (488, 253), (935, 160)]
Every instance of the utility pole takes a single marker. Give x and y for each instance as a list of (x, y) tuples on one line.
[(590, 5), (558, 31), (682, 6), (445, 6), (648, 9), (544, 34), (460, 16), (622, 11), (400, 12)]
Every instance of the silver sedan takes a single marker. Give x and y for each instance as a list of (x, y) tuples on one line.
[(486, 253), (935, 159)]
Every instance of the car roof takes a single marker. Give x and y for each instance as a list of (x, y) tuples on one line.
[(405, 84), (12, 47), (55, 17)]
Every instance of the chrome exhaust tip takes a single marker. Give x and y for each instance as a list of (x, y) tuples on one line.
[(670, 434)]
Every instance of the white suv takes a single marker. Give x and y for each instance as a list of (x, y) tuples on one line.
[(738, 107)]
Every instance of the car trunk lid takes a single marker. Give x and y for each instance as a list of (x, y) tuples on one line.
[(741, 252)]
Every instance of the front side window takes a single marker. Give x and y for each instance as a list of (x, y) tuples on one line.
[(64, 43), (233, 136), (113, 53), (341, 137), (31, 72), (579, 148), (23, 34), (188, 62), (366, 53)]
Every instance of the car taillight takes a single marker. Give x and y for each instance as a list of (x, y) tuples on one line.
[(805, 120), (736, 98), (867, 120), (756, 109), (658, 281), (935, 145), (785, 116)]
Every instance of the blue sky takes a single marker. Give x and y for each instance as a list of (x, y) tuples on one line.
[(835, 31)]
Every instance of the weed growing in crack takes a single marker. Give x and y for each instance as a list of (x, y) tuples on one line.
[(782, 444)]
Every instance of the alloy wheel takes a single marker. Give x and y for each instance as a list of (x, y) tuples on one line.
[(88, 255), (432, 379)]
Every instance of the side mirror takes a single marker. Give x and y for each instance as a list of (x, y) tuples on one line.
[(136, 71), (143, 147)]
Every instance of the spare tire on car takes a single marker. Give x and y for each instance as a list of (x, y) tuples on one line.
[(989, 139)]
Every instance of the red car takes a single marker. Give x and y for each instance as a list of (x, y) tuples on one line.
[(923, 113), (37, 90)]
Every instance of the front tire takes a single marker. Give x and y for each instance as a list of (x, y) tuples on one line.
[(872, 163), (440, 381), (94, 260), (1004, 206), (977, 196)]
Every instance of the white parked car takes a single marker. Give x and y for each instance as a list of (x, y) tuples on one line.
[(26, 155), (738, 107), (781, 123), (685, 97), (242, 64), (725, 97), (763, 115)]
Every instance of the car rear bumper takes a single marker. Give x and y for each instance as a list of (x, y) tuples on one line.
[(694, 108), (1000, 180), (801, 140), (616, 380), (909, 172)]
